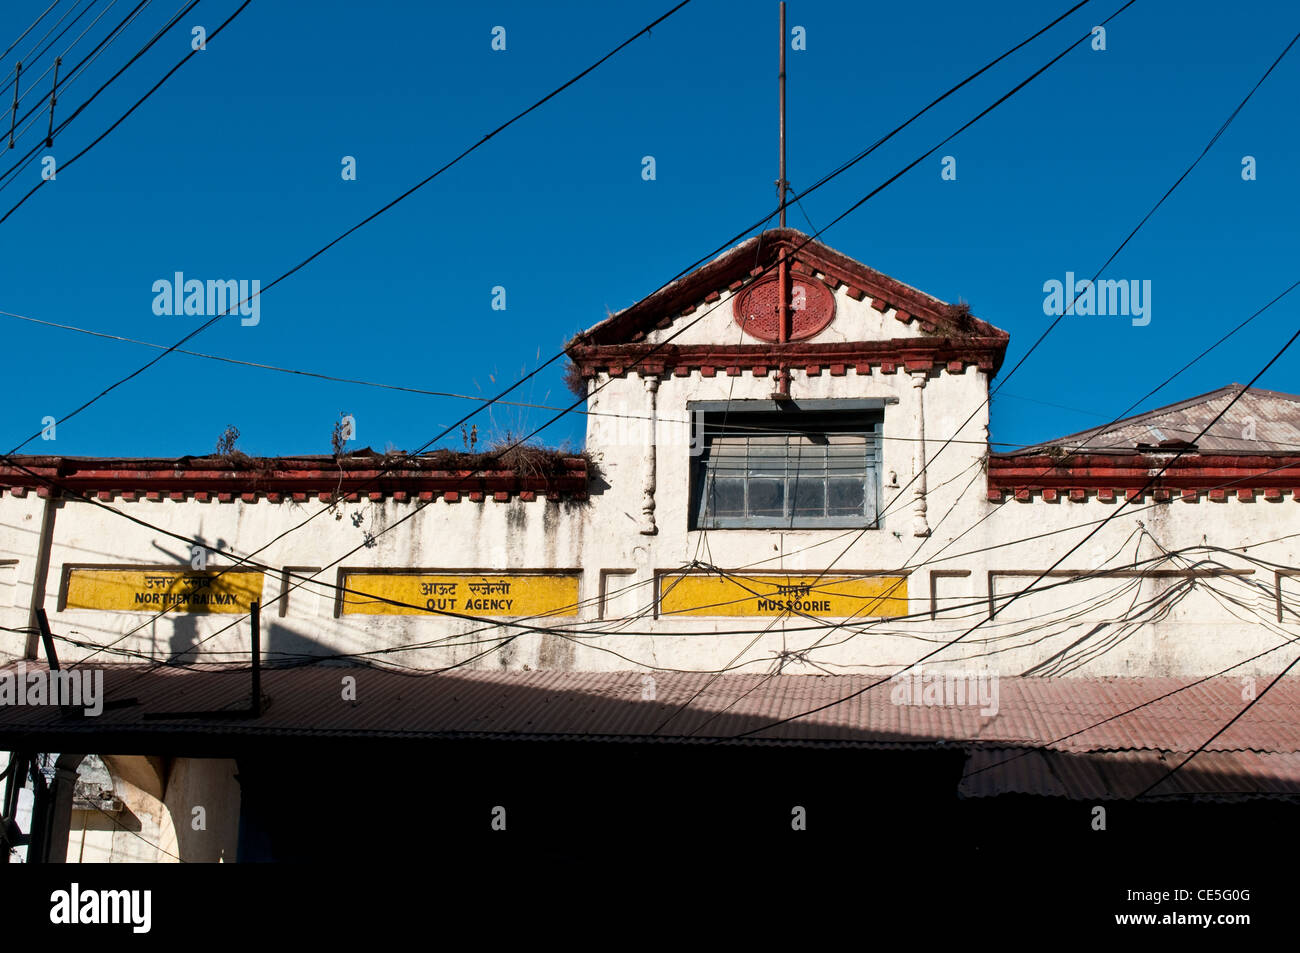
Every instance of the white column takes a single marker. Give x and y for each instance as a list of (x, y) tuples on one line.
[(648, 527), (920, 526)]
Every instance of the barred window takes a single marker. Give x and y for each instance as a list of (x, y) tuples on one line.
[(788, 469)]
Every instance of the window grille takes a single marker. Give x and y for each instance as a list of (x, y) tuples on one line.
[(791, 469)]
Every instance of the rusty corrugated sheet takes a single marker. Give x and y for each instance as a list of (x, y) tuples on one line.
[(1031, 711), (1260, 421), (1022, 749)]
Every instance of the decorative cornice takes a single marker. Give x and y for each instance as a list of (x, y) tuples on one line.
[(1108, 477), (835, 358), (285, 480)]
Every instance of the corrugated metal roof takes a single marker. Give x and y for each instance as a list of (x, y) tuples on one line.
[(1031, 711), (1261, 421)]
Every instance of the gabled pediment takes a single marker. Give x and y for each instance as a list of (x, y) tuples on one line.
[(841, 313), (753, 262)]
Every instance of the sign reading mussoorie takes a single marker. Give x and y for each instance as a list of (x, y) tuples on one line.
[(155, 590), (835, 597), (403, 593)]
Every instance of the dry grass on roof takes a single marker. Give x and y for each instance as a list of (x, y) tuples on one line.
[(525, 459)]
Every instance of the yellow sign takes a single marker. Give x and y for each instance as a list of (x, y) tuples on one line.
[(829, 596), (469, 594), (156, 590)]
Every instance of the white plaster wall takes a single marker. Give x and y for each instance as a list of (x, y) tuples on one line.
[(20, 530), (452, 536), (1200, 634)]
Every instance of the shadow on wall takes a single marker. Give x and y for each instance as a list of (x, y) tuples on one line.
[(282, 645), (184, 640)]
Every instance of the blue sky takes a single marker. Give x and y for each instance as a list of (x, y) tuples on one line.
[(232, 170)]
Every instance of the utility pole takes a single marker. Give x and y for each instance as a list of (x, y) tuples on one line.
[(781, 184), (782, 391)]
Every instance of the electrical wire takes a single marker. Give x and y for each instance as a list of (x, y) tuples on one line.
[(1151, 480), (9, 48), (704, 426), (33, 57), (32, 83), (136, 105), (1128, 238), (11, 174), (852, 208), (302, 264), (64, 84), (690, 267), (488, 403), (1223, 127), (985, 112), (496, 623)]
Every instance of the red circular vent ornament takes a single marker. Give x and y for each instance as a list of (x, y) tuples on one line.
[(812, 308)]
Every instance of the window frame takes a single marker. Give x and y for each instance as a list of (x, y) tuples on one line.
[(825, 417)]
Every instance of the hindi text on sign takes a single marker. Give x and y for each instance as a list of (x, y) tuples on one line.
[(832, 597)]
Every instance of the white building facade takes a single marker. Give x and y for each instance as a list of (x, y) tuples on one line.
[(849, 521), (787, 472)]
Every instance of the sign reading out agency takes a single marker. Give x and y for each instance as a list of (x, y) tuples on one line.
[(834, 597), (157, 590), (469, 593)]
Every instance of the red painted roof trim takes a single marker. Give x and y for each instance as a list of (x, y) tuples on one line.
[(276, 478), (1107, 474), (910, 354)]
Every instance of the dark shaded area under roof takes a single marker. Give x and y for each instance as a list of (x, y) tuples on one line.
[(1040, 740)]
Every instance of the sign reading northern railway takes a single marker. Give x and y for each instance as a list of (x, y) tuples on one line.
[(402, 593), (834, 597), (158, 590)]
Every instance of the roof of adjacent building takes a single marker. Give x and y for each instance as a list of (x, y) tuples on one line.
[(1252, 450), (1076, 737), (1260, 421)]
